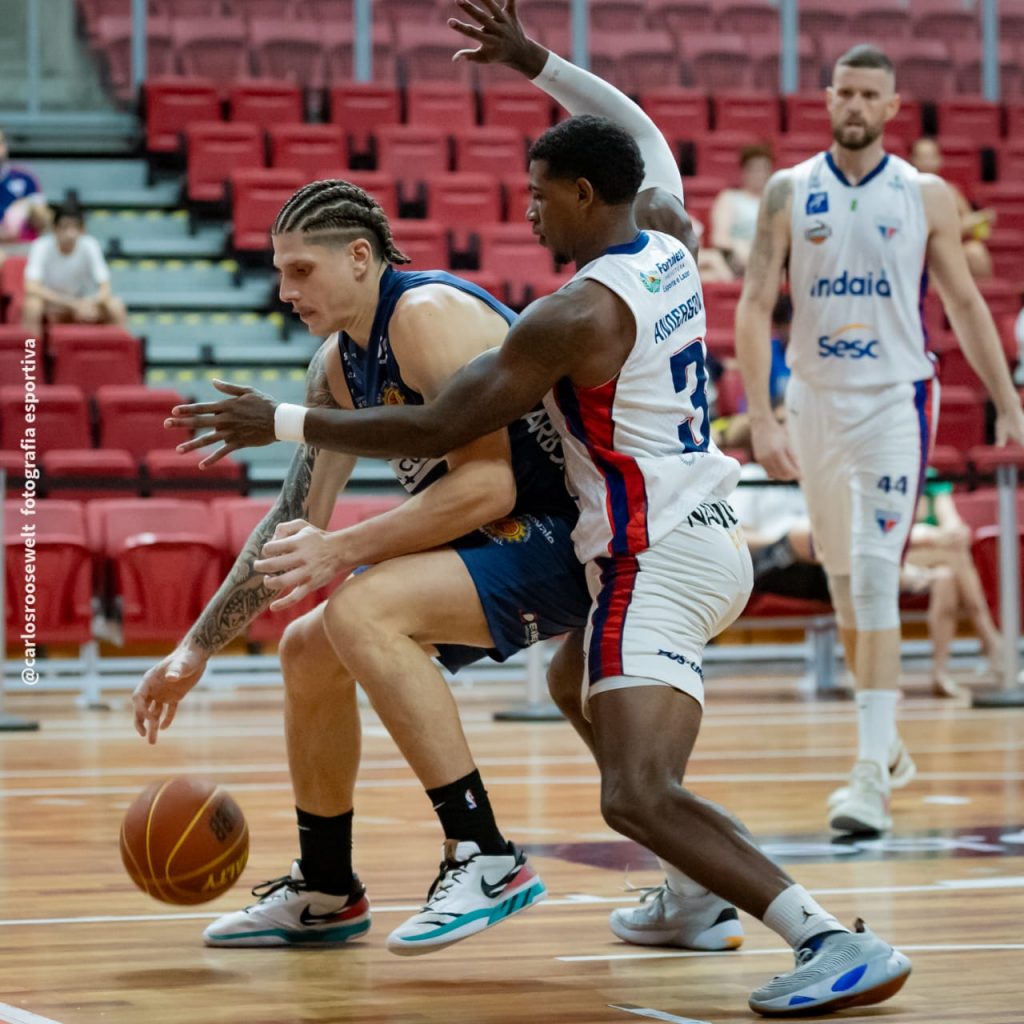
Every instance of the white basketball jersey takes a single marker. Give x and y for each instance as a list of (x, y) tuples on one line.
[(857, 276), (638, 449)]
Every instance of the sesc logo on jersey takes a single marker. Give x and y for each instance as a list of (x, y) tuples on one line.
[(839, 345), (817, 202)]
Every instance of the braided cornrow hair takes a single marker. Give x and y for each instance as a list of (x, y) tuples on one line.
[(336, 206)]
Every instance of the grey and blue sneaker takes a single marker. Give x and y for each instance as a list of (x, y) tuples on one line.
[(844, 969)]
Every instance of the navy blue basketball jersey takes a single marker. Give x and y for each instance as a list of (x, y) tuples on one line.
[(375, 378)]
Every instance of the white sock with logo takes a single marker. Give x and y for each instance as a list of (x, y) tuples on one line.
[(796, 916), (679, 884), (876, 726)]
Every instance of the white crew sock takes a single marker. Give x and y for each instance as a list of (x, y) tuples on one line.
[(796, 916), (876, 726)]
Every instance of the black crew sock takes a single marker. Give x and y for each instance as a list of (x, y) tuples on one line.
[(326, 851), (466, 814)]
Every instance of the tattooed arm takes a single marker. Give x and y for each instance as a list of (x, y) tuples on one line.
[(309, 492), (768, 256)]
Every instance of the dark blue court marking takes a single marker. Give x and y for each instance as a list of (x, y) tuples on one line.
[(933, 844)]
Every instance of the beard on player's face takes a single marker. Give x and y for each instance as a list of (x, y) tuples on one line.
[(856, 134)]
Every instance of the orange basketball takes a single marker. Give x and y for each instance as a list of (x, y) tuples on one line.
[(184, 841)]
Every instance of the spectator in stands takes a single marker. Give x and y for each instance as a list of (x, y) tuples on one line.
[(734, 213), (939, 563), (975, 225), (23, 211), (67, 279)]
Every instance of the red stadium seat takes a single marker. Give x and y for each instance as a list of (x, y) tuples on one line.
[(12, 351), (1006, 245), (362, 107), (265, 103), (380, 186), (947, 461), (339, 40), (512, 252), (1011, 160), (748, 17), (489, 150), (718, 155), (971, 117), (623, 16), (680, 17), (75, 473), (1001, 296), (947, 23), (132, 418), (314, 150), (411, 154), (961, 161), (214, 150), (515, 191), (172, 104), (13, 466), (113, 38), (879, 21), (177, 475), (542, 15), (985, 552), (424, 51), (961, 418), (12, 287), (327, 11), (425, 242), (163, 560), (968, 59), (806, 113), (214, 48), (288, 50), (767, 75), (821, 17), (731, 398), (528, 110), (255, 10), (751, 113), (636, 61), (63, 572), (61, 418), (256, 198), (463, 202), (795, 147), (717, 62), (440, 105), (923, 68), (91, 358), (679, 113)]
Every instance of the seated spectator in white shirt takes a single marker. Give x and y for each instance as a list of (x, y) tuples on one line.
[(734, 213), (67, 279)]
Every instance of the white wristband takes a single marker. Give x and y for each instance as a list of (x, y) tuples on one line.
[(289, 421)]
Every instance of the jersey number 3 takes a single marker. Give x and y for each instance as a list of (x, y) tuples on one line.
[(690, 376)]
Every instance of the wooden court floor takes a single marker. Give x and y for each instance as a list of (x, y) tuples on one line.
[(78, 945)]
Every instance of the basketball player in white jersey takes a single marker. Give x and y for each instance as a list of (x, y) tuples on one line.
[(617, 356), (861, 233)]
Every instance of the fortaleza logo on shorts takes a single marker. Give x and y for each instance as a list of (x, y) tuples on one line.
[(511, 530), (391, 395), (652, 282), (866, 286), (887, 519), (854, 341), (818, 233)]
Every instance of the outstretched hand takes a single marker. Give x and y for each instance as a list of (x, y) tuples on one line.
[(245, 420), (500, 37), (155, 700), (771, 449)]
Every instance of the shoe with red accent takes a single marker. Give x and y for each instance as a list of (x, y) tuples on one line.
[(289, 913), (472, 891)]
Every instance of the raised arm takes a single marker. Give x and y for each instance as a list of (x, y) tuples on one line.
[(501, 39), (966, 309), (309, 492), (761, 285)]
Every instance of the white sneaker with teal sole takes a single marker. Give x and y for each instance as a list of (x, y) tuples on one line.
[(847, 969), (289, 913), (473, 891), (663, 918)]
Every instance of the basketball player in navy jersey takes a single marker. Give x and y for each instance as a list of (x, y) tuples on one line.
[(478, 560), (860, 232), (617, 356)]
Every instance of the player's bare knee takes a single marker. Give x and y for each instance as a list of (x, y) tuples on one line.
[(352, 613), (631, 801), (302, 649)]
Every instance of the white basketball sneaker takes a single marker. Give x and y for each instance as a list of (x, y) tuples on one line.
[(901, 770), (472, 891), (846, 969), (865, 807), (289, 913), (663, 918)]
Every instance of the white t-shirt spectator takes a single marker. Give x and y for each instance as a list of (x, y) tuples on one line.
[(78, 274), (772, 510)]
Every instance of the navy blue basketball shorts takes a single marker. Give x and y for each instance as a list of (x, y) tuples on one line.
[(530, 584)]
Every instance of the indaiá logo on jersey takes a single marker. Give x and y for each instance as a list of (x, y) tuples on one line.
[(866, 286)]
